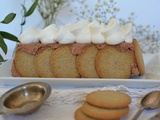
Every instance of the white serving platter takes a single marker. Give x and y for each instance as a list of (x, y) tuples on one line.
[(137, 82)]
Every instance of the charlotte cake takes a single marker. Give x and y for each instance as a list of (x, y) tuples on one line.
[(83, 49)]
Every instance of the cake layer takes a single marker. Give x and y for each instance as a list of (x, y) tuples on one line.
[(78, 60)]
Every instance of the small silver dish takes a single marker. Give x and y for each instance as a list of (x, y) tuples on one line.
[(24, 99)]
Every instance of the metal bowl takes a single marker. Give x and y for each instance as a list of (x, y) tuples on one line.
[(25, 99)]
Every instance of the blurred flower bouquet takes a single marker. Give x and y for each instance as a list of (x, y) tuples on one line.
[(102, 11), (49, 9)]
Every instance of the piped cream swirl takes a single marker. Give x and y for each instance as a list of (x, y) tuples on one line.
[(115, 34), (96, 32), (49, 34), (64, 36), (80, 32), (30, 36)]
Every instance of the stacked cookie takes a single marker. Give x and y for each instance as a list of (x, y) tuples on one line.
[(104, 105), (78, 60)]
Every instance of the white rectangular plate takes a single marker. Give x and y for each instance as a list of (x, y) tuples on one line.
[(138, 82)]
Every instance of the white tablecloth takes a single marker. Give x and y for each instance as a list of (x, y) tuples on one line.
[(62, 103)]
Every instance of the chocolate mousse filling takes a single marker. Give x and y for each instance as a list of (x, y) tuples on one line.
[(76, 48)]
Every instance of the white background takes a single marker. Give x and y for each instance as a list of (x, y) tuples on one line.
[(147, 12)]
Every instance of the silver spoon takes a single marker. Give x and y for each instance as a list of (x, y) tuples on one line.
[(149, 101), (156, 117), (24, 99)]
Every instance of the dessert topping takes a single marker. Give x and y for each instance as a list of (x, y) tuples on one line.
[(81, 32)]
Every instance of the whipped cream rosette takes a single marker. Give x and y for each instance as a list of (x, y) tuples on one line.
[(49, 34), (115, 34), (30, 35), (127, 29), (81, 31), (96, 32), (64, 36)]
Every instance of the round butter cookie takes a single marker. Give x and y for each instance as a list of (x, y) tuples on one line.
[(103, 113), (79, 115), (63, 63), (108, 99), (139, 57), (24, 64), (86, 62), (112, 63), (42, 62)]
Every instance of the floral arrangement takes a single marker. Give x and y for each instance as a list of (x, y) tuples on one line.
[(49, 9), (102, 11)]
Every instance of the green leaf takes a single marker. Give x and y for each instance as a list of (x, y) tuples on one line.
[(9, 36), (24, 21), (31, 9), (3, 44), (8, 18), (24, 8), (1, 59), (24, 12)]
